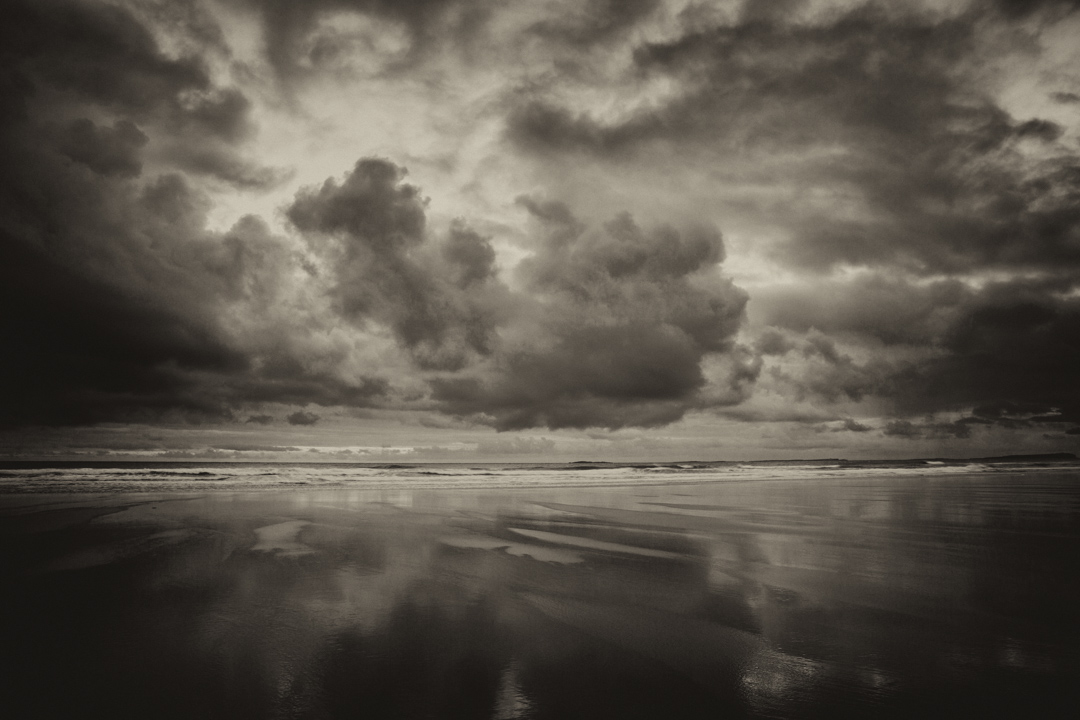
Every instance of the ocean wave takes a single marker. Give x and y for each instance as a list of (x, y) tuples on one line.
[(243, 477)]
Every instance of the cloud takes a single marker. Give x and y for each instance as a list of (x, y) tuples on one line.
[(1010, 413), (614, 331), (773, 342), (851, 425), (101, 52), (120, 300), (594, 21), (885, 306), (897, 189), (101, 56), (817, 369), (107, 150), (516, 446), (149, 314), (138, 311), (302, 418), (929, 224), (1014, 344), (325, 36), (1023, 8), (908, 430), (221, 164), (902, 428), (255, 447), (892, 153), (441, 303), (928, 348), (609, 327)]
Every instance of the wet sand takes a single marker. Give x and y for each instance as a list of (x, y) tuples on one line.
[(882, 597)]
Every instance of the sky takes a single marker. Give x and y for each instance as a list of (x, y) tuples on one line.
[(465, 230)]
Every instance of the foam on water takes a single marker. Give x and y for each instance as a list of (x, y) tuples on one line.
[(39, 477)]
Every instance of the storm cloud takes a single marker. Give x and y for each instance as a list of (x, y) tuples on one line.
[(863, 217), (118, 302), (121, 304), (442, 304), (932, 231), (604, 326)]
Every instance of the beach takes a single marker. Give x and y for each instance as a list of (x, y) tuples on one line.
[(799, 591)]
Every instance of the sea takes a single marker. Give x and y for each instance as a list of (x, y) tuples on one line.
[(42, 476)]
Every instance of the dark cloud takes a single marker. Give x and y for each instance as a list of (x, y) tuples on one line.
[(260, 419), (1019, 414), (1004, 351), (936, 169), (620, 321), (189, 23), (1024, 8), (772, 342), (788, 413), (743, 83), (608, 377), (88, 341), (371, 206), (326, 37), (117, 302), (886, 307), (101, 52), (538, 126), (824, 373), (1014, 345), (902, 428), (594, 21), (70, 54), (609, 328), (302, 418), (927, 430), (303, 39), (470, 256), (229, 167), (442, 303), (1065, 97), (222, 113), (99, 323), (851, 425), (107, 150), (1040, 129)]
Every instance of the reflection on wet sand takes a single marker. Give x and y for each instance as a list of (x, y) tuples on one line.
[(836, 598)]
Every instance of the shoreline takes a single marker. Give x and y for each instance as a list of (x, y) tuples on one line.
[(202, 478)]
